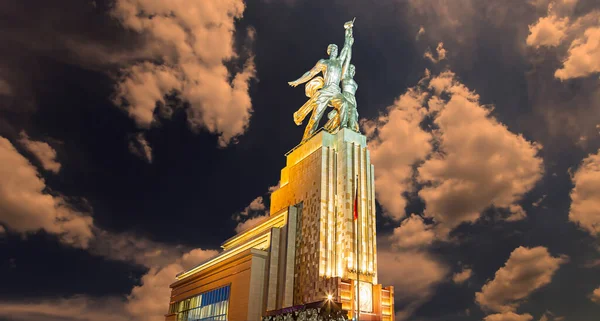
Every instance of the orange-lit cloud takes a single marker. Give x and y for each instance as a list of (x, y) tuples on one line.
[(400, 126), (580, 36), (253, 214), (595, 296), (585, 196), (79, 308), (26, 207), (194, 39), (412, 233), (42, 151), (150, 300), (417, 273), (508, 316), (139, 146), (441, 53), (462, 276), (526, 270), (479, 162)]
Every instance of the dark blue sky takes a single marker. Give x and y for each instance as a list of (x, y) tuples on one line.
[(63, 69)]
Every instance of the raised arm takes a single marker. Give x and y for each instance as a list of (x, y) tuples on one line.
[(348, 42), (346, 59), (320, 66)]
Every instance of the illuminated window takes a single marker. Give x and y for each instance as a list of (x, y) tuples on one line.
[(210, 305)]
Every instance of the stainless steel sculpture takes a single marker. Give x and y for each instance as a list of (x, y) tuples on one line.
[(325, 91)]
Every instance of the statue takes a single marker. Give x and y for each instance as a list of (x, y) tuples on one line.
[(325, 91), (347, 115)]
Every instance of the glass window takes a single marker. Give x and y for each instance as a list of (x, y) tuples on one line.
[(210, 305)]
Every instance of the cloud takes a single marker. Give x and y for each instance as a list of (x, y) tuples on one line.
[(585, 196), (150, 300), (5, 88), (539, 201), (549, 316), (273, 188), (139, 146), (400, 126), (42, 151), (420, 32), (131, 248), (26, 207), (80, 308), (509, 316), (441, 53), (526, 270), (595, 296), (478, 162), (412, 233), (583, 57), (581, 34), (547, 31), (192, 40), (462, 276), (251, 222), (257, 204), (416, 273), (253, 214)]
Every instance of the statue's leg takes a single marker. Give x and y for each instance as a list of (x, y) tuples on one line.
[(308, 106), (344, 115), (338, 106), (353, 119), (317, 113)]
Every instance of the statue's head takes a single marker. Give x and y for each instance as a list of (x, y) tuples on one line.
[(351, 70), (332, 50)]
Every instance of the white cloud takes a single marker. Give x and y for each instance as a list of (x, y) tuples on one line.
[(26, 207), (42, 151), (595, 296), (139, 146), (526, 270), (412, 233), (479, 163), (462, 276), (194, 39), (415, 272), (509, 316), (585, 196)]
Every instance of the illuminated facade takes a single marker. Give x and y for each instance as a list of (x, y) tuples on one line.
[(306, 251)]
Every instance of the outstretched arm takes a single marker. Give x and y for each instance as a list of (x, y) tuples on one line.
[(320, 66)]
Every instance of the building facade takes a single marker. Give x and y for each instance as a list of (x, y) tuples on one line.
[(310, 249)]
